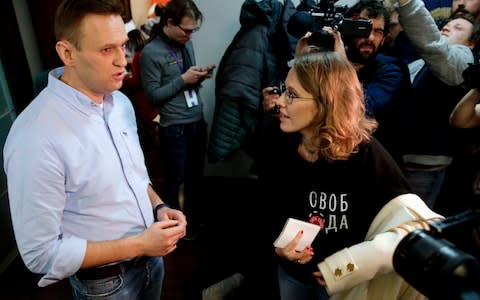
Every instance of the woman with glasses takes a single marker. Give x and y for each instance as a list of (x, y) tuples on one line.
[(171, 80), (320, 164)]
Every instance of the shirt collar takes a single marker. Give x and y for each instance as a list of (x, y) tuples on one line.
[(74, 97)]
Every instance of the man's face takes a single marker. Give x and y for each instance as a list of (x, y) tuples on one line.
[(458, 31), (182, 33), (363, 49), (98, 66), (460, 7), (394, 28)]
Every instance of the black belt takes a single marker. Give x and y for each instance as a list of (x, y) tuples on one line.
[(111, 270)]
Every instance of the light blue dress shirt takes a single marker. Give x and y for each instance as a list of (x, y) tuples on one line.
[(76, 173)]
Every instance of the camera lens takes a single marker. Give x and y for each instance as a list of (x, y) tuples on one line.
[(429, 264)]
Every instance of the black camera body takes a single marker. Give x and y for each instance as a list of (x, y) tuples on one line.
[(314, 17), (471, 76), (442, 263), (275, 110)]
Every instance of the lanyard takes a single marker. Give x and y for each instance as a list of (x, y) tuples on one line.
[(178, 61)]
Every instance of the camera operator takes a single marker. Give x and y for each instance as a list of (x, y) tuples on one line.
[(382, 85), (429, 143)]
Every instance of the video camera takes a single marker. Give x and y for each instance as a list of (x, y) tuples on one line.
[(443, 262), (313, 18), (471, 76)]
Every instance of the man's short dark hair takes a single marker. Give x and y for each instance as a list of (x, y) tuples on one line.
[(374, 8), (70, 14), (177, 9)]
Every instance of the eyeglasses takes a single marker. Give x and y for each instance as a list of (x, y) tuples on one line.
[(188, 31), (290, 96)]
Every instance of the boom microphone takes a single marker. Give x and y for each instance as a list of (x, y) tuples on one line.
[(299, 23)]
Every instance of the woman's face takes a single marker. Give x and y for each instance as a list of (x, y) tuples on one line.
[(298, 108)]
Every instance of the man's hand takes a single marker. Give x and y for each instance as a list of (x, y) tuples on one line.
[(401, 2), (270, 98), (302, 43), (167, 213), (209, 68), (161, 237), (194, 75), (338, 45)]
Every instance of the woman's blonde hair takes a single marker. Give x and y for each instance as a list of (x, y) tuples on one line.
[(341, 121)]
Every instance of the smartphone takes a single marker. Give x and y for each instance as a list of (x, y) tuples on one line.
[(210, 69)]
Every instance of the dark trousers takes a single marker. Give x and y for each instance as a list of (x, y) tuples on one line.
[(183, 149)]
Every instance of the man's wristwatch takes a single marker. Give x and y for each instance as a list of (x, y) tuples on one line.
[(155, 210)]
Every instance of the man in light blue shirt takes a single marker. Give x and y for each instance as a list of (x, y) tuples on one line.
[(80, 196)]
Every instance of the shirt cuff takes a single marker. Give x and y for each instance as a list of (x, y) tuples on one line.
[(71, 253)]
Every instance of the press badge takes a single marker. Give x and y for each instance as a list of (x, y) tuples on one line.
[(191, 98)]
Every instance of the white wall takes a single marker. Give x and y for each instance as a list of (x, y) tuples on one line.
[(221, 23)]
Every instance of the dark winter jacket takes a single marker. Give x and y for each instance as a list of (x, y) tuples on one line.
[(256, 57)]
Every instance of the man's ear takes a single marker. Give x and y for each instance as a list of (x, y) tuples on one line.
[(170, 22), (65, 52), (471, 45)]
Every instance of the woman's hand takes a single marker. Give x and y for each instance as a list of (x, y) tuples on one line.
[(289, 252)]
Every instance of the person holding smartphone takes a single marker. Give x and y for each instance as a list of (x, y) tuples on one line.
[(172, 80)]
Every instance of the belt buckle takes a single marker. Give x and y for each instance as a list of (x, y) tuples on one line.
[(140, 261)]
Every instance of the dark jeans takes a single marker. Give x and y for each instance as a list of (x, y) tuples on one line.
[(183, 149), (293, 289), (426, 185), (142, 283)]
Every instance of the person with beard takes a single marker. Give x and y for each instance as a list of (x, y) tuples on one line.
[(467, 7), (384, 78), (171, 80), (429, 143), (444, 14), (464, 7)]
